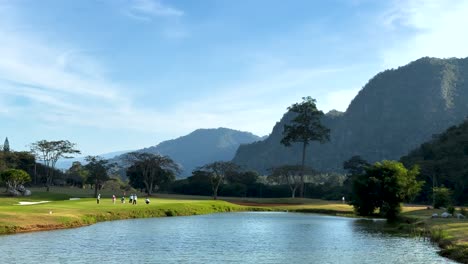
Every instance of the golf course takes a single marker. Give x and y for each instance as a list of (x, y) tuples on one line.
[(73, 207)]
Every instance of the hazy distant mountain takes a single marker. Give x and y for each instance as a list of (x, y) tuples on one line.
[(395, 112), (64, 164), (203, 146)]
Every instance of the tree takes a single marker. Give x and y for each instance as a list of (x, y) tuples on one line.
[(442, 197), (50, 152), (151, 170), (305, 127), (355, 166), (77, 174), (217, 172), (287, 174), (13, 178), (384, 186), (6, 145), (97, 168), (242, 177)]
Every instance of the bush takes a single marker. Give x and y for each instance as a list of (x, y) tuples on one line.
[(442, 197), (451, 210)]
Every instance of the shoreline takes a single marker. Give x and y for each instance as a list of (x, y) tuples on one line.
[(407, 225), (90, 219)]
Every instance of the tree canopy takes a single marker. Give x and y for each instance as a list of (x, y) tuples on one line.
[(384, 186), (217, 172), (97, 169), (151, 171), (14, 177), (443, 161), (305, 127), (50, 152), (287, 174)]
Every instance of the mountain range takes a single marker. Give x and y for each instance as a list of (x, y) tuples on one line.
[(200, 147), (395, 112)]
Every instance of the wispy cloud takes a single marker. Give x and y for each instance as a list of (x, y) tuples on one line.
[(148, 9), (425, 28)]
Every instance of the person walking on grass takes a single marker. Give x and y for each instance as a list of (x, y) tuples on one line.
[(98, 198), (135, 198), (147, 201), (113, 198), (122, 200), (131, 199)]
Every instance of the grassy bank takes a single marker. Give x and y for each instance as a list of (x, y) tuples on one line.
[(60, 212), (450, 234)]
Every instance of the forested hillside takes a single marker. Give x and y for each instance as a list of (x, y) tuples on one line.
[(395, 112), (444, 160)]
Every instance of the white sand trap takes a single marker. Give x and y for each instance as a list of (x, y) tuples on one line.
[(30, 203), (74, 199)]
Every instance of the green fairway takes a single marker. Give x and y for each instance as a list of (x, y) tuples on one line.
[(61, 212)]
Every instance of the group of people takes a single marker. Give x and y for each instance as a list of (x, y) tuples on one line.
[(133, 198)]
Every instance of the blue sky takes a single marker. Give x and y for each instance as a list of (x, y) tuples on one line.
[(115, 75)]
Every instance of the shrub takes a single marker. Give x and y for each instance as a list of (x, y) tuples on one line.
[(442, 197), (451, 210)]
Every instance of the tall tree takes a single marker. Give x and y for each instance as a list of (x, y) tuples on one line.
[(217, 172), (153, 170), (305, 127), (50, 152), (6, 145), (287, 174), (97, 168)]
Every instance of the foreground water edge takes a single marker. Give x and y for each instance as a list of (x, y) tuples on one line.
[(242, 237)]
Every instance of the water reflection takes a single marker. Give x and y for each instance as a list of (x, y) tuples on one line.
[(222, 238)]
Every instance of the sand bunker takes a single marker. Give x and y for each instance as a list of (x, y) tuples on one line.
[(30, 203)]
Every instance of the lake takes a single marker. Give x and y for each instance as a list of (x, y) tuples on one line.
[(262, 237)]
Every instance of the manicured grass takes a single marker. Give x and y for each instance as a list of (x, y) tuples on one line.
[(63, 213), (451, 234)]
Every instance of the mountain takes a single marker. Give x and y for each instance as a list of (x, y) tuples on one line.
[(395, 112), (202, 146), (65, 164), (444, 159)]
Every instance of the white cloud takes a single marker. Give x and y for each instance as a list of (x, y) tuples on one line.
[(146, 9), (64, 86), (422, 28)]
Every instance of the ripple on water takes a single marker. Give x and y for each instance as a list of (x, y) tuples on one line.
[(221, 238)]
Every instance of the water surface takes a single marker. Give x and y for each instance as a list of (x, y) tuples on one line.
[(221, 238)]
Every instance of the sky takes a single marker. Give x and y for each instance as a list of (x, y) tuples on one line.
[(113, 75)]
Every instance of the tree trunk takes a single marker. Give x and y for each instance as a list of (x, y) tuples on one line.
[(96, 188), (293, 193), (150, 189), (215, 192), (35, 173), (301, 191)]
